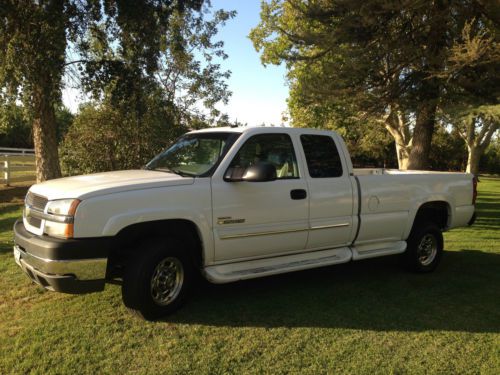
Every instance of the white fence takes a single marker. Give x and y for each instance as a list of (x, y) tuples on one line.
[(17, 165)]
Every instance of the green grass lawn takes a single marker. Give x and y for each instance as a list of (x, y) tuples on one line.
[(366, 317)]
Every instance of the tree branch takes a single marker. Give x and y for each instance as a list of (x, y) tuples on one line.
[(493, 127), (75, 62)]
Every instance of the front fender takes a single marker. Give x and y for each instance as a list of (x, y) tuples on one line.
[(107, 215)]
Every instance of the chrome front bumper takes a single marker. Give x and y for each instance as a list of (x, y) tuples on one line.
[(81, 269), (69, 266)]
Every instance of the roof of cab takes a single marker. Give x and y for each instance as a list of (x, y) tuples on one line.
[(257, 129), (220, 130)]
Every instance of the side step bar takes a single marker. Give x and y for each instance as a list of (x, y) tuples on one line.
[(226, 273), (377, 250)]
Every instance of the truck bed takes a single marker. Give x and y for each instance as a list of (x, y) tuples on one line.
[(390, 199)]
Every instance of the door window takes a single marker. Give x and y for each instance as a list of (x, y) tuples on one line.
[(322, 156), (276, 149)]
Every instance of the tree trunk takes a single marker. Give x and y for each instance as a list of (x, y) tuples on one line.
[(396, 125), (44, 137), (473, 159), (45, 74), (403, 153), (477, 142), (422, 136), (429, 92)]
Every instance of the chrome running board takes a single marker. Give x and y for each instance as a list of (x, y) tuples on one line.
[(377, 250), (250, 269)]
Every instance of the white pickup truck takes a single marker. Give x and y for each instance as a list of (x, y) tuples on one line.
[(232, 204)]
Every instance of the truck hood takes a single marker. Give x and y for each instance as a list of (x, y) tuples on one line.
[(90, 185)]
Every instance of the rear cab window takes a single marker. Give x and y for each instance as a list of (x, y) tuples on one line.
[(322, 156)]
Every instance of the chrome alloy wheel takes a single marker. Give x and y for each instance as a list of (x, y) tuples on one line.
[(167, 281), (427, 249)]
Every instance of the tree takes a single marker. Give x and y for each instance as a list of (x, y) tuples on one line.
[(471, 101), (477, 129), (34, 37), (134, 114), (384, 58), (114, 132), (448, 150), (367, 142), (64, 120), (184, 62), (15, 129), (490, 160), (32, 55)]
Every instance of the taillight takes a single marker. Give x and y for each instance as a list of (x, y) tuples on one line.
[(474, 189)]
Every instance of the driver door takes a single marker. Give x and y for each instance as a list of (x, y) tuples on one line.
[(261, 219)]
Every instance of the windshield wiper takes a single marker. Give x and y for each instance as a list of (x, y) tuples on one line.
[(176, 171), (183, 174)]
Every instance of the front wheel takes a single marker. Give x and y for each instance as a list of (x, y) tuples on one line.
[(156, 282), (425, 248)]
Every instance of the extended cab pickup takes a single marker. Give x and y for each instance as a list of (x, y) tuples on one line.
[(233, 204)]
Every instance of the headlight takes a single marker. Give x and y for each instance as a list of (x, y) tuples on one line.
[(59, 217), (65, 207)]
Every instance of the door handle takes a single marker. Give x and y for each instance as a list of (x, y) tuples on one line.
[(297, 194)]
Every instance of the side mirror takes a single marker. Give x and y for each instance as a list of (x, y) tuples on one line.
[(260, 172)]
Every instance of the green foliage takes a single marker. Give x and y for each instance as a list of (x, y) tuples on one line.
[(448, 152), (376, 58), (64, 119), (473, 64), (370, 146), (368, 143), (471, 101), (120, 49), (144, 96), (32, 49), (370, 53), (490, 160), (15, 127), (32, 57), (127, 49), (103, 137)]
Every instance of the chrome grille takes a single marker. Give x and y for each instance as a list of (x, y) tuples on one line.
[(34, 221), (36, 201)]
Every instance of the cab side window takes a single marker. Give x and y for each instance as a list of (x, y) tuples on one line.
[(276, 149), (322, 156)]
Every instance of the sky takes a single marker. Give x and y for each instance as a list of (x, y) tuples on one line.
[(259, 93)]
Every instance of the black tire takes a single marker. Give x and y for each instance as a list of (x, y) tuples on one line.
[(425, 248), (163, 259)]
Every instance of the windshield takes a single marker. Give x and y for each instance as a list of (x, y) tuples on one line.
[(193, 155)]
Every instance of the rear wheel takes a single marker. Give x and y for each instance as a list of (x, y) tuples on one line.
[(157, 281), (425, 248)]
